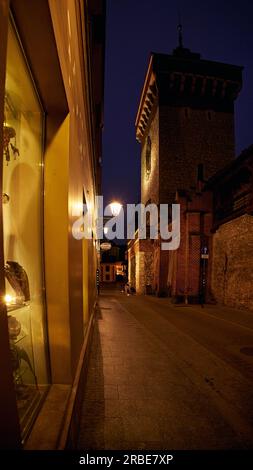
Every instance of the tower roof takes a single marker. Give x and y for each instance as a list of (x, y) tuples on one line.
[(184, 79)]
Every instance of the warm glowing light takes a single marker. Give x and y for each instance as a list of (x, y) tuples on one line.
[(77, 209), (9, 299), (115, 208)]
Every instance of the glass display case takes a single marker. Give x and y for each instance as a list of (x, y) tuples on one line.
[(22, 201)]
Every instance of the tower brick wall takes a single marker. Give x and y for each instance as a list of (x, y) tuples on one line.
[(185, 266), (189, 137), (150, 182)]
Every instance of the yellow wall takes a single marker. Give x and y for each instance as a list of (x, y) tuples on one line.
[(56, 253), (75, 208), (76, 168)]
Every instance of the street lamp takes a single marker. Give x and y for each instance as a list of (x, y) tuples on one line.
[(115, 208)]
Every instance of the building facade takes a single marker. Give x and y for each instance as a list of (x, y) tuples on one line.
[(185, 125), (111, 272), (51, 117), (113, 265)]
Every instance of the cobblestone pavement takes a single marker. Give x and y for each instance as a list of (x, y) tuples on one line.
[(152, 386)]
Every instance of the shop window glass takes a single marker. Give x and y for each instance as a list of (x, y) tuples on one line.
[(23, 233)]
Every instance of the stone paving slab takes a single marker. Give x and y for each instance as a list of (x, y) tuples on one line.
[(138, 398)]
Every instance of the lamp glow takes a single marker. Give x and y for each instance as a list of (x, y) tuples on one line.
[(115, 208), (9, 299)]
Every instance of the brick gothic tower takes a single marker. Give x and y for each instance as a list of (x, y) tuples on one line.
[(185, 124)]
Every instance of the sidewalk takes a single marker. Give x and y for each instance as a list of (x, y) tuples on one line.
[(137, 398)]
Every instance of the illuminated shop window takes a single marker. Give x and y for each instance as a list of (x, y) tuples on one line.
[(23, 233)]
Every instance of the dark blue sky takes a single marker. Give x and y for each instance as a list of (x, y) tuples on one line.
[(219, 30)]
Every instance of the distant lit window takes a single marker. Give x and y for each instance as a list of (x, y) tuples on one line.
[(148, 156)]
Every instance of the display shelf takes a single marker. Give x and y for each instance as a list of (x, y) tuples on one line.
[(16, 308), (20, 337)]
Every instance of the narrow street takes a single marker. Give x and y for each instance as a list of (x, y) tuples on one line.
[(164, 376)]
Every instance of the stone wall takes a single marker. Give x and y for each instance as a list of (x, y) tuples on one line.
[(131, 269), (232, 266), (140, 272), (140, 265), (148, 268)]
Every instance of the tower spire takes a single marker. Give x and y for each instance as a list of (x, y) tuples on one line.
[(180, 32), (180, 50)]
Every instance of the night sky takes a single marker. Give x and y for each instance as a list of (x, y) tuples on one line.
[(218, 30)]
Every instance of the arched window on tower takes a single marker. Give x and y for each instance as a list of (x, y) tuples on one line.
[(148, 156)]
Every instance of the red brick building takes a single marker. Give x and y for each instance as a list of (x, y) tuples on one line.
[(185, 124)]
